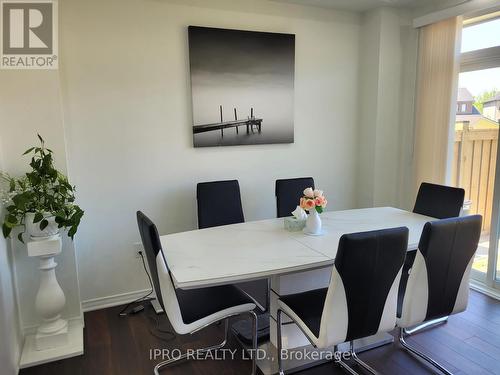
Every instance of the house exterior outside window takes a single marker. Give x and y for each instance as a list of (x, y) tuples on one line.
[(491, 108)]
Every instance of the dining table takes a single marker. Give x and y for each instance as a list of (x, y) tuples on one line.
[(293, 262)]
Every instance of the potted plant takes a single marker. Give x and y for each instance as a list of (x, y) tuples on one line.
[(42, 200)]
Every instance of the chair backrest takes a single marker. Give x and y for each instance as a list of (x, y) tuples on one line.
[(438, 284), (160, 274), (439, 201), (219, 203), (288, 193), (362, 296), (152, 247)]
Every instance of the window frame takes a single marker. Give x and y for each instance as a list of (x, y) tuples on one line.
[(480, 59)]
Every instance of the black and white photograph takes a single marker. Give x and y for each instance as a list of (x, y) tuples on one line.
[(242, 85)]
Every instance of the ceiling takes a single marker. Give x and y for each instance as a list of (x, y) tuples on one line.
[(361, 5)]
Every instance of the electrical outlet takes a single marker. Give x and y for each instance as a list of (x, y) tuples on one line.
[(138, 247)]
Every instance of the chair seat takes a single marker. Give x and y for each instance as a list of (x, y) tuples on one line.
[(196, 304), (308, 306)]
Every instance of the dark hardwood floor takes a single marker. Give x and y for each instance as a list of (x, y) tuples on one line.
[(469, 343)]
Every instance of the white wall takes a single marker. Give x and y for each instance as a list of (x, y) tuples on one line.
[(409, 49), (10, 337), (387, 78), (368, 88), (127, 104)]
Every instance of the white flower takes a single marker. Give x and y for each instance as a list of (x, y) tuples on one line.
[(318, 193), (309, 193)]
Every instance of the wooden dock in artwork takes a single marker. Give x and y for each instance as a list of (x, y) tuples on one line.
[(249, 123)]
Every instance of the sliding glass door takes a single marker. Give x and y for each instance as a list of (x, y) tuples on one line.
[(475, 154), (476, 158)]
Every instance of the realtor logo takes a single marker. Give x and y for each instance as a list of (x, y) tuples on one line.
[(29, 34)]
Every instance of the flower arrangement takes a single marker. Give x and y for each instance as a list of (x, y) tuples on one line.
[(313, 199)]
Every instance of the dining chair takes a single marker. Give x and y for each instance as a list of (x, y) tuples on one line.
[(191, 310), (288, 193), (438, 285), (440, 202), (361, 299), (219, 203)]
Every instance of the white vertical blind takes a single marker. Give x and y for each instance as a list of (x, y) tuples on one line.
[(438, 68)]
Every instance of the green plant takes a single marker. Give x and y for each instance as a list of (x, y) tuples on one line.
[(42, 191), (483, 97)]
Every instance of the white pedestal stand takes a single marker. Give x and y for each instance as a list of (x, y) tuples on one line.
[(54, 338)]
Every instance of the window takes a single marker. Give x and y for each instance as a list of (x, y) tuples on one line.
[(481, 35), (476, 149)]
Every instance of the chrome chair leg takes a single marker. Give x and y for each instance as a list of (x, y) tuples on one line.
[(172, 361), (168, 362), (280, 344), (268, 296), (253, 315), (417, 353), (359, 361), (344, 366), (265, 308), (281, 371), (428, 324)]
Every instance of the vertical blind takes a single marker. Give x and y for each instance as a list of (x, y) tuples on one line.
[(438, 67)]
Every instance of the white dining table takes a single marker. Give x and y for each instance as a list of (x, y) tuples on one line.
[(260, 249), (293, 261)]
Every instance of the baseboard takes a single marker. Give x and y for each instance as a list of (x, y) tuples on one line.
[(111, 301), (490, 292)]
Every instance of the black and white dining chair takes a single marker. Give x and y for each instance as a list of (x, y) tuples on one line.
[(190, 311), (438, 285), (361, 299), (288, 193), (440, 202), (219, 203)]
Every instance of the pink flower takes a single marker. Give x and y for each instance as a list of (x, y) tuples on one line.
[(309, 203), (302, 203), (309, 192), (312, 199)]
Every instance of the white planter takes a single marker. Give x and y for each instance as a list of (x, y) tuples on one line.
[(33, 229), (313, 223)]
